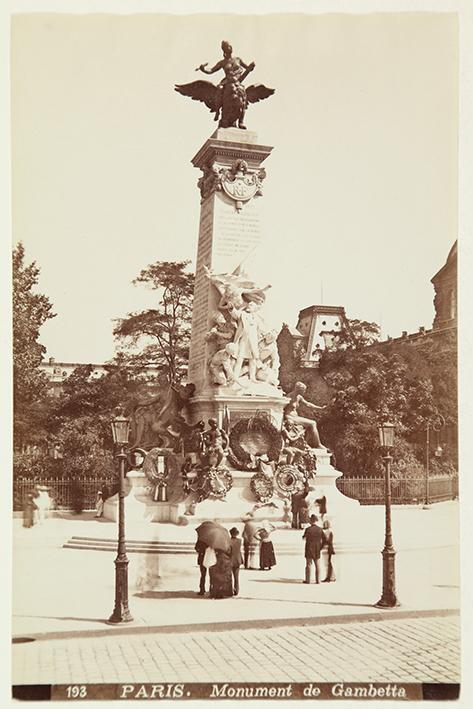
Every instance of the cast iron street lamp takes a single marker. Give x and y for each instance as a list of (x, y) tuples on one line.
[(388, 599), (121, 613), (436, 424)]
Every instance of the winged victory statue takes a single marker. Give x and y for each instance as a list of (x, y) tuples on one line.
[(229, 99)]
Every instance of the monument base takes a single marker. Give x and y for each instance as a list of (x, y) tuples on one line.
[(324, 485), (140, 507), (217, 406)]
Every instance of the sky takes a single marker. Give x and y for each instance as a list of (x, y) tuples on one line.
[(360, 199)]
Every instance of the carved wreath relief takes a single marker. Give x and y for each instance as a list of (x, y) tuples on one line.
[(239, 182)]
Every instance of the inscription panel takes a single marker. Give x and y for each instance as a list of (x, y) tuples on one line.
[(236, 233)]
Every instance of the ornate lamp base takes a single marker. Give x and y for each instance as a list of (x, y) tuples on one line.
[(388, 598), (387, 601), (121, 614)]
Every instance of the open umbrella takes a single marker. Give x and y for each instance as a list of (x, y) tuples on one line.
[(214, 535)]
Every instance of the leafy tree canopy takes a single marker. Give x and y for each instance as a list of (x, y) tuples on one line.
[(160, 337), (408, 384), (80, 422), (30, 311)]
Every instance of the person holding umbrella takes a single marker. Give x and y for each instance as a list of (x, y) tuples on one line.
[(216, 537)]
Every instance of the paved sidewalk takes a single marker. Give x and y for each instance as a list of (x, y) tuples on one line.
[(58, 590), (403, 650)]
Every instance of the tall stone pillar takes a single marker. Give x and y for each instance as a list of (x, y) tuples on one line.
[(229, 227), (229, 232)]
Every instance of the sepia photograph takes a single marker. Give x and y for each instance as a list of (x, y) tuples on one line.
[(234, 285)]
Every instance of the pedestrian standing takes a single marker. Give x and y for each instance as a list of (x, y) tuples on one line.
[(236, 558), (250, 543), (329, 551), (314, 541), (42, 502), (296, 501), (29, 510), (267, 558), (99, 504), (200, 548)]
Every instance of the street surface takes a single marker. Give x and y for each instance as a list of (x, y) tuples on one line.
[(409, 650)]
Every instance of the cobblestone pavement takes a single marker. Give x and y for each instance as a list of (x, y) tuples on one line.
[(404, 650)]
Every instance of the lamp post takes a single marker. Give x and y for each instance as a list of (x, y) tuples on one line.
[(388, 598), (121, 612), (436, 424)]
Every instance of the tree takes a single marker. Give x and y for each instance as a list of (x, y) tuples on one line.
[(30, 311), (160, 337), (80, 423), (407, 383)]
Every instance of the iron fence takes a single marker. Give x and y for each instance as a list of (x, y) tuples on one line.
[(80, 492), (66, 493), (404, 491)]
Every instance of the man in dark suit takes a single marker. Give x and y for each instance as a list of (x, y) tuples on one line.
[(314, 541), (236, 559), (200, 548)]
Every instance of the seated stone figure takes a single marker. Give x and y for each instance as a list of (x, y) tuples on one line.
[(221, 365), (292, 415)]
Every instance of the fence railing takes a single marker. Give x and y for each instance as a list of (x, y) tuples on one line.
[(66, 493), (81, 492), (404, 491)]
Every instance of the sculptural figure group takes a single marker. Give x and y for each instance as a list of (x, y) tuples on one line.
[(245, 348), (229, 99)]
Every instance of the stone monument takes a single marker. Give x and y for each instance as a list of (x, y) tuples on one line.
[(229, 442)]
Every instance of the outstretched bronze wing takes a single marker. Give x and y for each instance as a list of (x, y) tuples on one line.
[(200, 90), (257, 92)]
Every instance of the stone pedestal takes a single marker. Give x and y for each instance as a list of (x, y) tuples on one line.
[(238, 407), (238, 502), (139, 504)]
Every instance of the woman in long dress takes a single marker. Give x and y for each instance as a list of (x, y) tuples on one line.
[(328, 551), (221, 578), (267, 558)]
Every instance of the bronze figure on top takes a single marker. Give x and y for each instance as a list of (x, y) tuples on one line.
[(229, 99)]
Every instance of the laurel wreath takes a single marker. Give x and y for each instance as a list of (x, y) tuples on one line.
[(220, 475), (262, 487), (297, 484), (260, 423)]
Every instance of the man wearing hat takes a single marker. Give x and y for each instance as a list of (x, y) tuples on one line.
[(314, 541)]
